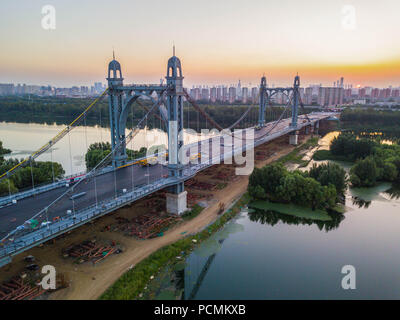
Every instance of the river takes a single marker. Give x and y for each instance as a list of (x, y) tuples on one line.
[(25, 138), (282, 258)]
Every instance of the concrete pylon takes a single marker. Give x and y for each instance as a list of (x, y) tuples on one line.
[(294, 138)]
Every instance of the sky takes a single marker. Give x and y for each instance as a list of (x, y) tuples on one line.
[(218, 42)]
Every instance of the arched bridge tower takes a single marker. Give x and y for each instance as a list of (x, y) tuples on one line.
[(176, 199), (263, 101), (296, 101), (115, 102)]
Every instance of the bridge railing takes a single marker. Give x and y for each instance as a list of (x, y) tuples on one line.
[(33, 237)]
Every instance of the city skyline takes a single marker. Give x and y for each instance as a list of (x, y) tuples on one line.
[(223, 44)]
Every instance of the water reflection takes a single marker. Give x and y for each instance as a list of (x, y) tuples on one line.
[(272, 218), (394, 192), (361, 203)]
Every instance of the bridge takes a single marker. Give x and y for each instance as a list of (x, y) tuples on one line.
[(41, 213)]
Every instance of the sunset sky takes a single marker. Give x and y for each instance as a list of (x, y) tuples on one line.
[(217, 41)]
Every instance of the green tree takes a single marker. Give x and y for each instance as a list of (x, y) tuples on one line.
[(330, 173), (389, 172), (7, 186), (364, 173), (257, 192)]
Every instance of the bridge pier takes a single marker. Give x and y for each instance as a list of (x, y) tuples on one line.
[(316, 127), (307, 130), (294, 138), (177, 202)]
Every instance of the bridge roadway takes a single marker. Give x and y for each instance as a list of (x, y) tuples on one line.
[(108, 184)]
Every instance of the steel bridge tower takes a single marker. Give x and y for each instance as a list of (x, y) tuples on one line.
[(115, 102), (121, 98), (176, 199), (263, 101), (296, 100)]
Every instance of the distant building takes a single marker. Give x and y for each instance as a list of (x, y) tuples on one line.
[(195, 93), (98, 87), (7, 89), (330, 96), (225, 96), (205, 94), (232, 94), (245, 94), (254, 95), (219, 94), (213, 94)]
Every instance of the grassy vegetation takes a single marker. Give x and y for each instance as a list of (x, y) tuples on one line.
[(221, 185), (295, 157), (321, 155), (192, 213), (132, 283), (291, 209)]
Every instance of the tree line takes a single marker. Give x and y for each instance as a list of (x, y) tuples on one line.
[(35, 173), (368, 122), (63, 111), (319, 188), (99, 150), (374, 160)]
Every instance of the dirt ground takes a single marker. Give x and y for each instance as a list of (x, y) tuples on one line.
[(88, 281)]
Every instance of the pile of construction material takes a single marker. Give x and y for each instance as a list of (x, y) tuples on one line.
[(225, 173), (18, 289), (198, 185), (90, 251), (146, 226), (208, 171), (193, 198), (262, 155)]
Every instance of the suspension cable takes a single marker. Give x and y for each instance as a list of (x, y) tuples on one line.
[(57, 138)]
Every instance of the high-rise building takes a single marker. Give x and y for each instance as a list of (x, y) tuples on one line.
[(195, 93), (225, 95), (232, 94), (213, 94), (219, 94), (245, 94), (98, 87), (205, 94), (254, 94), (7, 89), (238, 90)]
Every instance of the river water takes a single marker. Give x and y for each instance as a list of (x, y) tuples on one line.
[(25, 138), (284, 258)]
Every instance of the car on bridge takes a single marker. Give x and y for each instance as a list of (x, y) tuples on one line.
[(77, 195)]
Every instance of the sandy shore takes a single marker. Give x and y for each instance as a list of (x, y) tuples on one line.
[(87, 281)]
